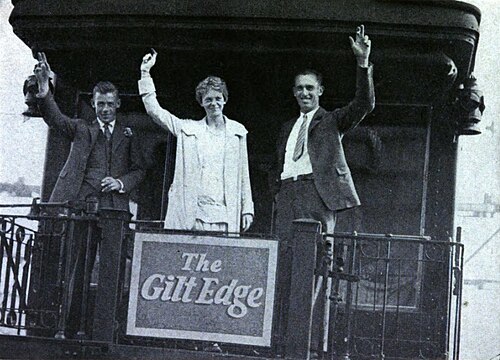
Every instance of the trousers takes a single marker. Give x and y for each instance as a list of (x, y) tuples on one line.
[(299, 200)]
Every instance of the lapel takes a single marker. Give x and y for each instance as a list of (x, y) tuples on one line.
[(318, 116), (193, 130), (118, 136), (94, 132), (232, 157), (234, 128), (235, 132)]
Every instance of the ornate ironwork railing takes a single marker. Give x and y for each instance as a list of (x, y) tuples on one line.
[(387, 296), (26, 271), (393, 296), (34, 268), (16, 251)]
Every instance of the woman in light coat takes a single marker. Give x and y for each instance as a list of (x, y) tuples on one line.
[(211, 186)]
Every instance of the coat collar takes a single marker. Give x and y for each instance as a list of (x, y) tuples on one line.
[(118, 134), (94, 129), (318, 116), (197, 128)]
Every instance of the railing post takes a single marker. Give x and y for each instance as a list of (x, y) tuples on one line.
[(110, 269), (351, 255), (307, 234)]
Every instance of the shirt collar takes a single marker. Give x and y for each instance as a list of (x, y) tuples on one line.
[(111, 125), (309, 115)]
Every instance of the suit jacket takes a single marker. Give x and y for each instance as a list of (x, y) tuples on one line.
[(126, 160), (332, 176)]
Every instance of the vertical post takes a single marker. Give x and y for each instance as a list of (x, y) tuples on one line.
[(457, 291), (336, 272), (387, 261), (81, 334), (307, 234), (66, 246), (327, 278), (348, 301), (110, 270)]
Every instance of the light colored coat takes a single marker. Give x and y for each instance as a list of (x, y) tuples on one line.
[(183, 193)]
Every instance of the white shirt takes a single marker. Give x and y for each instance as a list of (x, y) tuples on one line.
[(292, 169), (111, 125)]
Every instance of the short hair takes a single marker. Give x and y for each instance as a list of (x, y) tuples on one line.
[(211, 83), (105, 87), (317, 74)]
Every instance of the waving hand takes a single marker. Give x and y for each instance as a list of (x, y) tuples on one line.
[(148, 61), (42, 73), (361, 46)]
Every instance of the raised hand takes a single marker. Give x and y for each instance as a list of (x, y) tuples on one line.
[(42, 73), (148, 61), (361, 46)]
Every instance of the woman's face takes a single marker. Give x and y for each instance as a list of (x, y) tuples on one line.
[(213, 102)]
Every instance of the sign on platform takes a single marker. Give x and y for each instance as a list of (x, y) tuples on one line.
[(203, 287)]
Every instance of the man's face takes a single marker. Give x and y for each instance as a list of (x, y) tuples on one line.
[(307, 91), (105, 106), (213, 102)]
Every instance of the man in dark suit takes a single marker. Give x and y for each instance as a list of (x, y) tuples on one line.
[(313, 179), (104, 162)]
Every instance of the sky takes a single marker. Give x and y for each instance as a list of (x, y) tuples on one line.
[(478, 158), (22, 140)]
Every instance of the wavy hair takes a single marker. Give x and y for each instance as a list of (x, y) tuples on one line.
[(105, 87), (211, 83)]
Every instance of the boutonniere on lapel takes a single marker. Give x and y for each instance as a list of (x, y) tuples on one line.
[(128, 132)]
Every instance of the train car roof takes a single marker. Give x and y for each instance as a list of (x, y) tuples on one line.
[(408, 12), (432, 38)]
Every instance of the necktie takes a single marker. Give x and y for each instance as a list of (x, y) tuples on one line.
[(107, 132), (301, 138), (107, 147)]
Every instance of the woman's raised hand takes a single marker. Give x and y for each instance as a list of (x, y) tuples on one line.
[(148, 61)]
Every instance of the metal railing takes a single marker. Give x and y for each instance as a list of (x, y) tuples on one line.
[(34, 267), (16, 249), (392, 296), (386, 296)]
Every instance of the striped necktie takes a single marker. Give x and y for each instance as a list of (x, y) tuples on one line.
[(107, 132), (301, 139)]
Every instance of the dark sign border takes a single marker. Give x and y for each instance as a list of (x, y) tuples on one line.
[(137, 260)]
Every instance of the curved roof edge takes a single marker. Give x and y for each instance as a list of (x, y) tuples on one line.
[(453, 13)]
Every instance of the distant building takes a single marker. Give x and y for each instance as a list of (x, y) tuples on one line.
[(488, 207), (19, 188)]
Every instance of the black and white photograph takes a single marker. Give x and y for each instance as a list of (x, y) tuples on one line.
[(249, 180)]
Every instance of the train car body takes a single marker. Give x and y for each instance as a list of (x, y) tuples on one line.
[(402, 157)]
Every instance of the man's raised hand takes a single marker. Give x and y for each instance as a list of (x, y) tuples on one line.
[(148, 61), (361, 46), (42, 73)]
